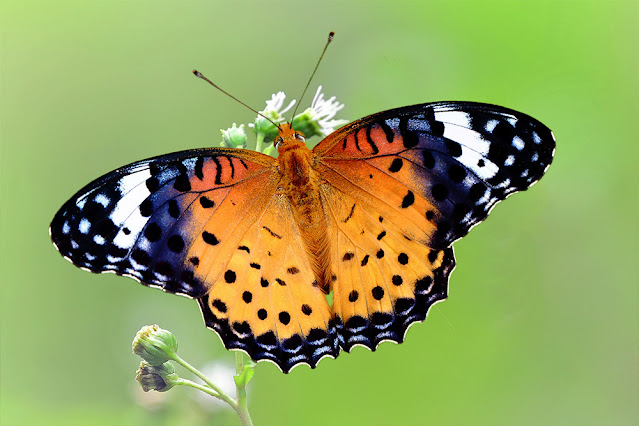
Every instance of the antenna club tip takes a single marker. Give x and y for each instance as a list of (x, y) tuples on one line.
[(197, 73), (331, 35)]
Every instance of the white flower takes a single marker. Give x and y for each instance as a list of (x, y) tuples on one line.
[(276, 102), (323, 112), (273, 111), (317, 120)]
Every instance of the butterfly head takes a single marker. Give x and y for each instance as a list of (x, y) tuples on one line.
[(288, 138)]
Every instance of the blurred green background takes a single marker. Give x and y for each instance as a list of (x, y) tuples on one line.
[(541, 326)]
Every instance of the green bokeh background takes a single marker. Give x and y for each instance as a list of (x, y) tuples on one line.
[(541, 326)]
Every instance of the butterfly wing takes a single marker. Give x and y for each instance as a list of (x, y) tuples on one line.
[(410, 182), (154, 220), (268, 302), (208, 224), (384, 280), (453, 160)]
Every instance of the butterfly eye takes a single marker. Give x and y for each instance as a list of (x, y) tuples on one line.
[(299, 137), (278, 141)]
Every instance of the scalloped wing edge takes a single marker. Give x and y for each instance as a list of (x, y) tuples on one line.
[(246, 345)]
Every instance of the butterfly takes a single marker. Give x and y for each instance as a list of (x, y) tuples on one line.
[(368, 215)]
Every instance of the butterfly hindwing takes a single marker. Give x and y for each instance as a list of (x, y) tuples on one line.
[(156, 219), (385, 281), (268, 302), (461, 158)]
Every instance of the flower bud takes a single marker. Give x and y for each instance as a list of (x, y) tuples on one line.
[(304, 123), (155, 345), (234, 136), (159, 378), (264, 127)]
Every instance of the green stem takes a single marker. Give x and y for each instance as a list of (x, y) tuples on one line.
[(259, 145), (224, 397), (242, 406), (203, 388)]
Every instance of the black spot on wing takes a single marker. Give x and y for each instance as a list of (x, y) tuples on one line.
[(408, 200), (152, 184), (206, 203), (153, 232), (174, 209), (284, 317), (348, 256), (210, 238), (182, 183), (454, 148), (306, 310), (439, 192), (146, 208), (456, 173), (175, 243), (396, 165), (428, 159), (230, 276), (409, 137)]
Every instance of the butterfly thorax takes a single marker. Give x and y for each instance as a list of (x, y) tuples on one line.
[(301, 183)]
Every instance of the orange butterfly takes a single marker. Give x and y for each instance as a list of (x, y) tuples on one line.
[(369, 214)]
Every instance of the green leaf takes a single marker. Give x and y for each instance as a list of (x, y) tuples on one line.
[(242, 379)]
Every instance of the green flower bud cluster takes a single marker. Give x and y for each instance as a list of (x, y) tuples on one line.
[(156, 347)]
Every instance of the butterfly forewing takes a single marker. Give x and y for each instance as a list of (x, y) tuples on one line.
[(447, 163), (164, 219)]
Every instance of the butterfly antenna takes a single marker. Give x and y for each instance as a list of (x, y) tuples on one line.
[(200, 75), (330, 38)]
